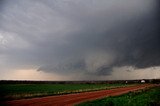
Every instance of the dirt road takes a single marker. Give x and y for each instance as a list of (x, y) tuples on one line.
[(71, 99)]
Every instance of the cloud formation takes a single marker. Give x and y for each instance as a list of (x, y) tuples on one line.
[(85, 38)]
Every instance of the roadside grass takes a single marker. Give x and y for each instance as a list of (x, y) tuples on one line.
[(20, 91), (146, 97)]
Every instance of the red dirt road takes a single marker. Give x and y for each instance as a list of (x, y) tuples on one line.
[(71, 99)]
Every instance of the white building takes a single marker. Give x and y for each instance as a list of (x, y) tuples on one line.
[(142, 81)]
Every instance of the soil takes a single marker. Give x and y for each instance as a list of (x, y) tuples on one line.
[(72, 99)]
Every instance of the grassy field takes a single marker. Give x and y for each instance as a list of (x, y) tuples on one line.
[(147, 97), (19, 91)]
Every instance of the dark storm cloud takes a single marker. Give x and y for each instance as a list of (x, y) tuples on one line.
[(89, 37)]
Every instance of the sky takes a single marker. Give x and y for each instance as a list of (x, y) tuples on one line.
[(79, 39)]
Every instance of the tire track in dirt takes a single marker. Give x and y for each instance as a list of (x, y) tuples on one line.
[(71, 99)]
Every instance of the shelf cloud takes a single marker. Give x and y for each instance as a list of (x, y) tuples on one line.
[(90, 39)]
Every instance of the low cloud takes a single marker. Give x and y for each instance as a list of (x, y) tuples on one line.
[(79, 38)]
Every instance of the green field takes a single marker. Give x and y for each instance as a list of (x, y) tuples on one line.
[(19, 91), (147, 97)]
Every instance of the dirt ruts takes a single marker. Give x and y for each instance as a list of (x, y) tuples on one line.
[(71, 99)]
